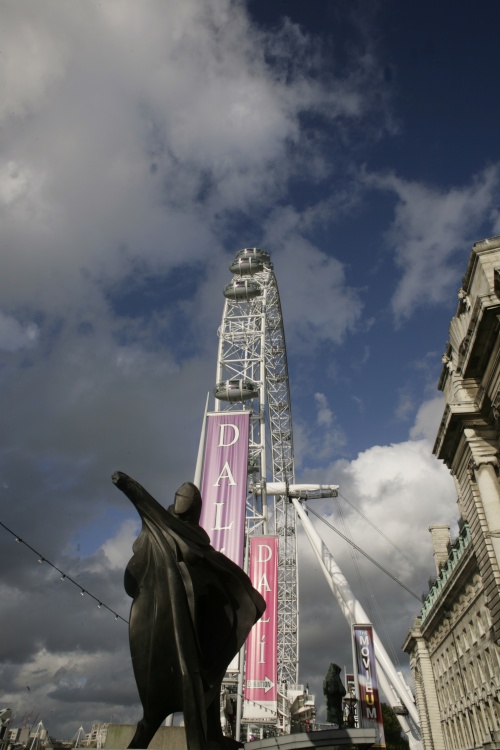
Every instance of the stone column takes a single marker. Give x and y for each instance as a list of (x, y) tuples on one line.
[(485, 463), (483, 447), (425, 689)]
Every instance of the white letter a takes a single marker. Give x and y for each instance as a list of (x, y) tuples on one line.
[(225, 474)]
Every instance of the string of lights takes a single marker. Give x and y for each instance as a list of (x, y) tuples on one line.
[(85, 592), (64, 576), (254, 703)]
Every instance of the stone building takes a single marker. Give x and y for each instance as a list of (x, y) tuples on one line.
[(454, 645)]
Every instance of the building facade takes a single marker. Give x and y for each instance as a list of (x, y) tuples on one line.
[(454, 645)]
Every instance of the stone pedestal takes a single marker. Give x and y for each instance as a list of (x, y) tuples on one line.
[(166, 738)]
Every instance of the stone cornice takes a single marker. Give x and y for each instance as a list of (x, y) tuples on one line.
[(456, 418), (461, 416), (413, 635)]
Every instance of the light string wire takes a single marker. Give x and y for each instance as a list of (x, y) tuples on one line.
[(391, 542), (254, 703), (64, 576), (379, 566), (83, 591)]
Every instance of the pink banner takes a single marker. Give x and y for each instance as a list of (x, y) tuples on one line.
[(224, 483), (262, 645), (370, 709)]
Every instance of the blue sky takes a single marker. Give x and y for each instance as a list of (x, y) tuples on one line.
[(142, 146)]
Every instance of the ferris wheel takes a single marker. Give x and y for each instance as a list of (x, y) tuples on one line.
[(252, 375), (252, 370)]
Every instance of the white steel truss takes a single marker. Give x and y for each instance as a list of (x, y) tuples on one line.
[(252, 373)]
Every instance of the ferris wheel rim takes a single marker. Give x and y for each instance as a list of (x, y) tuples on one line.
[(252, 356)]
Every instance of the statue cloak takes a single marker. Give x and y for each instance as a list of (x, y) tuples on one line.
[(192, 610)]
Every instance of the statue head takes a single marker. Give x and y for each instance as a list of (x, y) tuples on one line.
[(187, 503), (333, 669)]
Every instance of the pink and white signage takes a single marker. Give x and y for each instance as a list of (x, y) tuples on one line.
[(369, 700), (224, 483), (262, 645)]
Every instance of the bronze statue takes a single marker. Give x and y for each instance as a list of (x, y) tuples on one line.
[(192, 610), (334, 692)]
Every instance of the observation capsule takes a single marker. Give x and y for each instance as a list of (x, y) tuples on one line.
[(278, 378), (253, 465), (236, 390), (242, 289), (249, 261)]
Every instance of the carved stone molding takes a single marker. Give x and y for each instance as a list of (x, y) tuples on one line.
[(464, 299), (474, 466), (473, 425), (482, 444), (495, 407), (484, 461)]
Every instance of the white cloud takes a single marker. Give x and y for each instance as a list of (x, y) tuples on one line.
[(34, 57), (323, 440), (428, 419), (130, 157), (317, 303), (401, 489), (13, 183), (15, 335), (431, 228), (405, 404), (359, 403), (324, 416), (118, 549)]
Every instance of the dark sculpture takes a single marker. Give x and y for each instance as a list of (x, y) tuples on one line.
[(192, 611), (334, 692)]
